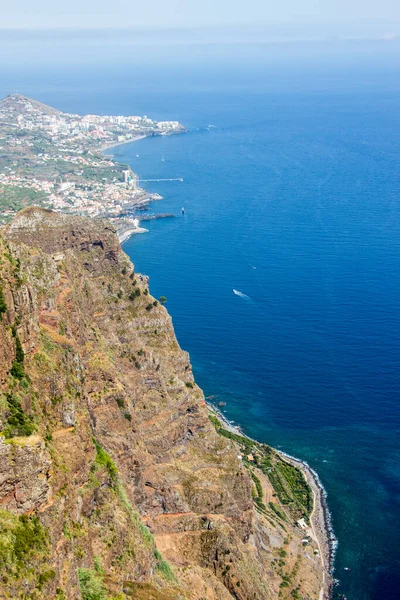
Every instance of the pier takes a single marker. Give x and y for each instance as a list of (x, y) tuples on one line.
[(174, 179)]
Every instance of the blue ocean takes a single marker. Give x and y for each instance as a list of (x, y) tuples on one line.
[(291, 194)]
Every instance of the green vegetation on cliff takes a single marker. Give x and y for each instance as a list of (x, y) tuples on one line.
[(17, 368), (288, 481), (24, 555), (18, 423), (3, 305), (103, 459), (91, 583), (162, 567)]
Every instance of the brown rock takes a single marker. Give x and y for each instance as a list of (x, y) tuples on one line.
[(102, 366)]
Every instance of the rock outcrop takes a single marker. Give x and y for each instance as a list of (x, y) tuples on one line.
[(107, 449)]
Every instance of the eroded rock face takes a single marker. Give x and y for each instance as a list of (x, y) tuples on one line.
[(103, 364), (24, 475), (55, 233)]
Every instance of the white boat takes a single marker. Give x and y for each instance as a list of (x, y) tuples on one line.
[(240, 294)]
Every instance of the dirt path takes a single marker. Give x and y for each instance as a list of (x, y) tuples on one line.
[(321, 553), (318, 527)]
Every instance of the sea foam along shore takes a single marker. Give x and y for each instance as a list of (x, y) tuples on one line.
[(125, 235), (321, 520)]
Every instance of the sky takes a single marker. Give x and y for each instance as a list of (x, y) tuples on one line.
[(360, 17), (165, 32)]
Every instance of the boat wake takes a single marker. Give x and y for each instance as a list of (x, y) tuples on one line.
[(241, 294)]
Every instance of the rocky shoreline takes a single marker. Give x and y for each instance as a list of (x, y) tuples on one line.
[(321, 520)]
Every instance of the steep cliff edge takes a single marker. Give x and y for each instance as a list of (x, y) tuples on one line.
[(114, 481)]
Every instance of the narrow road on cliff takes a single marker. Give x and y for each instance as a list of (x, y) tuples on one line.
[(322, 590)]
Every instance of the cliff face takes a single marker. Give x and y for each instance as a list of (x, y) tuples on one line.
[(114, 483)]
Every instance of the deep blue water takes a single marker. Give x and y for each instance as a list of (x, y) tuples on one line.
[(292, 199), (305, 189)]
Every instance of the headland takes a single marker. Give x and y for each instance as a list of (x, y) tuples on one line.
[(55, 159)]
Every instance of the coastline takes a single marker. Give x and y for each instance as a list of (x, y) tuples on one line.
[(320, 519), (117, 144), (123, 236), (321, 522)]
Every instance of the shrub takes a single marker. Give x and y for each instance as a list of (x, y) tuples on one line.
[(17, 367), (17, 370), (215, 421), (46, 576), (277, 512), (97, 565), (103, 459), (258, 485), (134, 294), (91, 585), (3, 305), (120, 401), (164, 569), (163, 299), (18, 423), (19, 351), (24, 543)]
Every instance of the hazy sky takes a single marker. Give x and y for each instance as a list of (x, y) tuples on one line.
[(379, 15)]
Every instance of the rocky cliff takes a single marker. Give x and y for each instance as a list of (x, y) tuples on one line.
[(114, 481)]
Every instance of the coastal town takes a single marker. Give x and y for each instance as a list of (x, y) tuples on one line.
[(55, 160)]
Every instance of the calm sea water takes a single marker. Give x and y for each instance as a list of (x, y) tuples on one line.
[(291, 198)]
